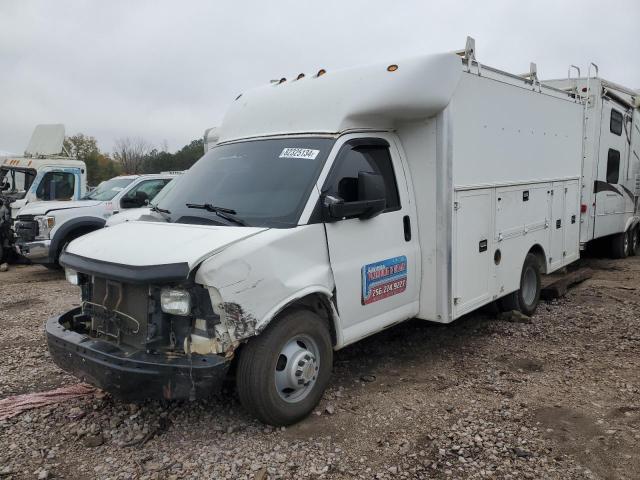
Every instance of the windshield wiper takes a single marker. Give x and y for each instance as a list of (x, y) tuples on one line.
[(155, 208), (226, 213)]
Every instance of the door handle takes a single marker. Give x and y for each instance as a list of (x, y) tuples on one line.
[(406, 223)]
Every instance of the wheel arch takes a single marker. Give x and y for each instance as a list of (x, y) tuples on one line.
[(70, 230), (317, 299), (539, 252), (632, 222)]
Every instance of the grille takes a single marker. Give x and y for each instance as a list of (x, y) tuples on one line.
[(26, 229), (119, 311)]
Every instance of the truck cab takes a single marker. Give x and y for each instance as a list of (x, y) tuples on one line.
[(45, 172), (44, 228), (28, 180)]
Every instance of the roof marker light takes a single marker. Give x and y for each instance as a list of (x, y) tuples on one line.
[(321, 72), (392, 68), (282, 80), (300, 75)]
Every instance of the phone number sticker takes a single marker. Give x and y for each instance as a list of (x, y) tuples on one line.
[(384, 279)]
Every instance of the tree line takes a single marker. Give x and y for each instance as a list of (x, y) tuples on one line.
[(131, 155)]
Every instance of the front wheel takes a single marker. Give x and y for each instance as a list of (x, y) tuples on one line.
[(526, 298), (283, 372)]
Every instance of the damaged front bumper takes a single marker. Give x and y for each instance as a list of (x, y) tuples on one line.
[(132, 375)]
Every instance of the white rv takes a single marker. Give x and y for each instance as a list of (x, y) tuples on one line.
[(611, 162), (331, 207)]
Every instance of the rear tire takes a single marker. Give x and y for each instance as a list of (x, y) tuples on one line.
[(620, 245), (633, 241), (283, 372), (527, 297)]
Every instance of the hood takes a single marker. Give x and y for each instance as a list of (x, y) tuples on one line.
[(142, 244), (129, 215), (41, 208)]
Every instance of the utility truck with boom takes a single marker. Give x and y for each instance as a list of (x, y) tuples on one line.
[(45, 172), (331, 207)]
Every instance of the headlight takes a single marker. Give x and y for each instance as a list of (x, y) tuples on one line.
[(45, 225), (72, 276), (175, 301)]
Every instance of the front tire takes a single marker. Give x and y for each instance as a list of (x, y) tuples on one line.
[(527, 297), (283, 372)]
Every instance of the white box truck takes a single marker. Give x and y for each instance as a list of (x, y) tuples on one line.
[(331, 207)]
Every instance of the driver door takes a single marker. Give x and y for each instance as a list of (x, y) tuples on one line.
[(374, 261)]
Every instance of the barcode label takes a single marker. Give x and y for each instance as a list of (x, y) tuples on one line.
[(299, 153)]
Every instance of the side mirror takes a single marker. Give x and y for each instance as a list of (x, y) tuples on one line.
[(371, 200), (139, 200)]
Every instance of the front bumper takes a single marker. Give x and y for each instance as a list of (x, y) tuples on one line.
[(132, 375), (37, 252)]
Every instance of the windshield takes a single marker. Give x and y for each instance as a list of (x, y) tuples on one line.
[(109, 189), (264, 182), (163, 193), (16, 180)]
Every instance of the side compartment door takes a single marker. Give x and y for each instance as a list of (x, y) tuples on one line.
[(572, 221), (473, 251), (557, 226), (374, 261)]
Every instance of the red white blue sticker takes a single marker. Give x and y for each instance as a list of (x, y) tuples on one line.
[(384, 279)]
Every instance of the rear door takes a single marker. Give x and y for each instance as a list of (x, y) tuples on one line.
[(611, 195), (375, 261)]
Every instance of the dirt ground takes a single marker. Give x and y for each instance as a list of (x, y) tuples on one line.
[(556, 396)]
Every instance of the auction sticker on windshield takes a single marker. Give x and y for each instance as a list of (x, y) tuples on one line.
[(307, 153), (383, 279)]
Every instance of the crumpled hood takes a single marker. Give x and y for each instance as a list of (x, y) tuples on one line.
[(41, 208), (149, 243)]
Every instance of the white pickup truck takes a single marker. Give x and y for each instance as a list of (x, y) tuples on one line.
[(44, 228)]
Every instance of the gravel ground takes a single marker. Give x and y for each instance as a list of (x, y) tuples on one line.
[(555, 396)]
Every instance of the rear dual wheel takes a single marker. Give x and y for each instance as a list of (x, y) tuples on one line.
[(527, 297), (634, 244), (625, 244)]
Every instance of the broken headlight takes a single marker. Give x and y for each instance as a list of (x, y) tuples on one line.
[(175, 301), (45, 225), (72, 276)]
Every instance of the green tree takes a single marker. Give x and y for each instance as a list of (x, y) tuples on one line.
[(99, 166), (161, 161)]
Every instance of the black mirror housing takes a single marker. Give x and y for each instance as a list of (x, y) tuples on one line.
[(371, 200)]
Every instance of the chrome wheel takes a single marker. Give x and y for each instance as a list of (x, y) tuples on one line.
[(297, 368), (529, 286)]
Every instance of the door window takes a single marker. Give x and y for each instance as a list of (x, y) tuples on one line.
[(56, 186), (343, 180), (615, 124), (613, 166)]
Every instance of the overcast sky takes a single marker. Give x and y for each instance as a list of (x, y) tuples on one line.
[(166, 70)]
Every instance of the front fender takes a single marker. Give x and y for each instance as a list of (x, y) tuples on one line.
[(256, 278)]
